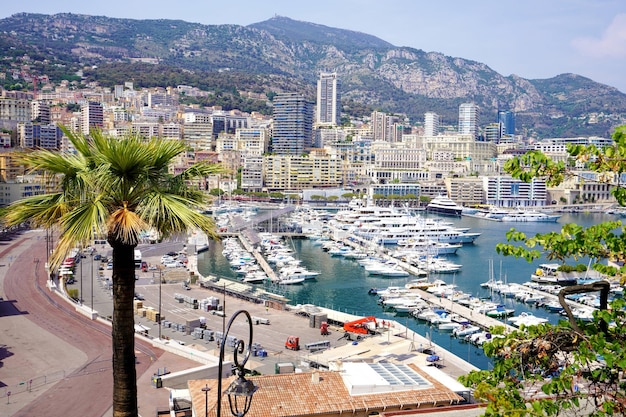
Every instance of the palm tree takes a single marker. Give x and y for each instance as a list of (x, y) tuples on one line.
[(118, 187)]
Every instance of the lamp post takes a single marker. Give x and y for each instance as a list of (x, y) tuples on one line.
[(92, 281), (239, 388), (160, 282), (80, 298), (206, 390)]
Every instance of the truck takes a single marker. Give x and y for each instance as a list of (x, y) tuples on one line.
[(361, 326), (292, 343)]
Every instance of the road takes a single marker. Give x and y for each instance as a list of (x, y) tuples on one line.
[(44, 336)]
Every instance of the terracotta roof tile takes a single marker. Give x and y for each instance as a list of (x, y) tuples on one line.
[(303, 394)]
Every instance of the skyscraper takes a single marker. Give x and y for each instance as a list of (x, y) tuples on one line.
[(468, 119), (293, 124), (507, 121), (328, 99), (431, 124)]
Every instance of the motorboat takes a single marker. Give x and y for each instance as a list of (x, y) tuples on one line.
[(526, 319), (465, 330), (549, 274)]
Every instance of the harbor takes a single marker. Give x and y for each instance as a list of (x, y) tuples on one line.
[(343, 285)]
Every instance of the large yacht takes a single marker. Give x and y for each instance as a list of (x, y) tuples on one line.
[(444, 206)]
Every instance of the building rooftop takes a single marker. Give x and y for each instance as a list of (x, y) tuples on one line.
[(326, 392)]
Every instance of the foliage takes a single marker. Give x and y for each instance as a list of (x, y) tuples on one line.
[(571, 368)]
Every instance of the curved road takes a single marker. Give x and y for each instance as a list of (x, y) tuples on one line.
[(86, 389)]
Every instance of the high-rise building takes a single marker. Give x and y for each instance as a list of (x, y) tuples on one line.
[(431, 124), (386, 127), (328, 99), (468, 119), (293, 124), (91, 116), (507, 121)]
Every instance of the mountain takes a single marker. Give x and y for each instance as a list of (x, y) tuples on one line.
[(281, 54)]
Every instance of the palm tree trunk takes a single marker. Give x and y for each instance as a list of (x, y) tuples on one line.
[(123, 331)]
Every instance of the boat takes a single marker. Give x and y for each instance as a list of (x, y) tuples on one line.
[(290, 281), (465, 330), (290, 272), (500, 311), (526, 319), (549, 274), (530, 216), (444, 206)]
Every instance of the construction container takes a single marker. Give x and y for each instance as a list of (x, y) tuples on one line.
[(316, 319), (285, 368)]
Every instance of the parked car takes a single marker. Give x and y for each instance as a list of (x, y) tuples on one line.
[(97, 257)]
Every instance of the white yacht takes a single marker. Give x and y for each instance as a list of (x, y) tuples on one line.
[(530, 216), (444, 206)]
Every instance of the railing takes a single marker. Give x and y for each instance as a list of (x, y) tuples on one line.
[(27, 386)]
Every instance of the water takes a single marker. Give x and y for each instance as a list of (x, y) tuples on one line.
[(343, 285)]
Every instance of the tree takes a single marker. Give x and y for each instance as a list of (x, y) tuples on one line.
[(573, 367), (118, 188)]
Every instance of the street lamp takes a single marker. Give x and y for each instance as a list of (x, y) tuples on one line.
[(240, 389), (92, 282), (206, 390), (160, 282)]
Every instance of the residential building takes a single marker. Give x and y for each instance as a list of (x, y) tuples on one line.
[(14, 109), (91, 117), (328, 99), (493, 132), (466, 191), (293, 124), (468, 119), (252, 173), (506, 191), (40, 136), (397, 162), (431, 124), (252, 141), (290, 172), (40, 111), (386, 127), (457, 146)]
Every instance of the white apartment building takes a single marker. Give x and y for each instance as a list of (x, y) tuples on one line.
[(506, 191), (291, 172), (171, 130), (397, 162), (468, 119), (91, 116), (252, 173), (198, 135), (431, 124), (328, 107), (146, 130), (252, 141), (460, 146)]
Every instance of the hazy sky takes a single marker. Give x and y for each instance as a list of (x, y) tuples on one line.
[(529, 38)]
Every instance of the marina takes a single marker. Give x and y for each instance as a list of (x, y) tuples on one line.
[(343, 285)]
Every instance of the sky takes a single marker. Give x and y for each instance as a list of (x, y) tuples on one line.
[(534, 39)]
